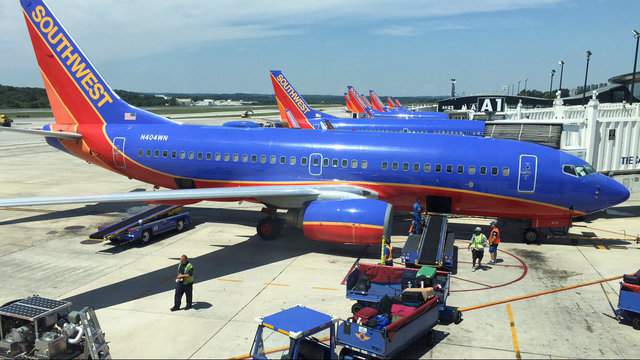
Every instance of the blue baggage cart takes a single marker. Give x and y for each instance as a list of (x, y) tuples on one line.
[(629, 307)]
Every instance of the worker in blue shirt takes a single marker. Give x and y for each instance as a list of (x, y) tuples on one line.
[(416, 222)]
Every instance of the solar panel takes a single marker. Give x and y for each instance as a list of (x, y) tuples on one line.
[(43, 302), (22, 310)]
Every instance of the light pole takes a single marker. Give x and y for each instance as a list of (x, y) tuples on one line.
[(561, 63), (553, 72), (518, 87), (513, 89), (453, 88), (525, 84), (636, 34), (586, 74)]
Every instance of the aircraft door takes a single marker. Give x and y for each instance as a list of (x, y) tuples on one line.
[(118, 152), (527, 173), (315, 164)]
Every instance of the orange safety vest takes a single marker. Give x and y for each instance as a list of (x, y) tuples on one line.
[(494, 236)]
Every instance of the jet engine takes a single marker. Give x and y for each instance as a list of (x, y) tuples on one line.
[(353, 221)]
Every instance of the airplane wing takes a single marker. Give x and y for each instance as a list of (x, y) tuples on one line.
[(293, 195), (45, 133)]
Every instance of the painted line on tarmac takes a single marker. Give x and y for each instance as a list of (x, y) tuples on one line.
[(514, 334), (537, 294), (492, 265), (276, 284), (324, 288), (231, 280), (523, 266), (471, 281)]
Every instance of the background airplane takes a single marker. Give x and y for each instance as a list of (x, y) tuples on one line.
[(297, 113), (366, 107), (337, 186)]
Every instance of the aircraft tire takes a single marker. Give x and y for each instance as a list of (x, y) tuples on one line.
[(269, 228), (530, 236), (180, 225)]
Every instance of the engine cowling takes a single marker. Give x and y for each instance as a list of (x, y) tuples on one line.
[(354, 221)]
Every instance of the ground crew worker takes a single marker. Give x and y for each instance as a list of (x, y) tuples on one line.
[(387, 252), (184, 284), (494, 241), (477, 245), (416, 222)]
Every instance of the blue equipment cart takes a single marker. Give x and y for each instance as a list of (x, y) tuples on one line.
[(145, 225), (299, 323), (629, 307), (382, 280)]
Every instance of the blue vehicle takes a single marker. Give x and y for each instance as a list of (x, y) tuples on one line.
[(305, 327), (629, 307), (368, 284), (433, 246), (145, 225)]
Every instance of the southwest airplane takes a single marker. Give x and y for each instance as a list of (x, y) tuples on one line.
[(296, 112), (379, 105), (338, 186), (367, 107)]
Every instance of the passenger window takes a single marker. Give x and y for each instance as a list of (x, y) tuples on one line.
[(438, 168), (569, 170), (165, 154), (245, 158), (292, 160), (283, 160), (354, 164), (199, 156), (208, 156), (140, 152), (405, 166), (483, 170), (303, 161), (272, 159), (364, 164), (394, 165), (156, 153), (174, 154), (416, 167), (227, 156), (236, 157), (183, 155), (472, 169), (505, 171), (427, 167), (316, 161), (449, 169), (494, 171), (217, 156), (325, 162), (191, 155), (334, 162), (460, 169), (344, 163), (385, 165), (263, 159), (148, 153), (254, 158)]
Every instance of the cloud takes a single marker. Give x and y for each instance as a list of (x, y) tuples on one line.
[(145, 27), (395, 31)]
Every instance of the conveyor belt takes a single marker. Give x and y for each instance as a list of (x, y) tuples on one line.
[(431, 239), (124, 224)]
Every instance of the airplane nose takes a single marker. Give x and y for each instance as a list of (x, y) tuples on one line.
[(614, 193)]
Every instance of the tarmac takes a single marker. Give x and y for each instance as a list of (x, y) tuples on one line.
[(45, 250)]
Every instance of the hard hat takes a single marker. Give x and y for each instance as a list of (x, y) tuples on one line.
[(478, 229)]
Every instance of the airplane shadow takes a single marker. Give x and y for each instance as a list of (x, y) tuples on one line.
[(227, 260)]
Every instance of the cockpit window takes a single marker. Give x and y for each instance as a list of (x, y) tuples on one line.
[(584, 170), (578, 171), (569, 170)]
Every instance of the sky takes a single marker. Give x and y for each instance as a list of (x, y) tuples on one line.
[(397, 47)]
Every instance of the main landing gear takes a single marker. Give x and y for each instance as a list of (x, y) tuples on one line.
[(271, 226)]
